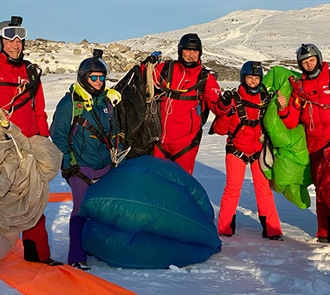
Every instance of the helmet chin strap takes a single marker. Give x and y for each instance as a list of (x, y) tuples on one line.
[(188, 64), (313, 74), (251, 90), (15, 60)]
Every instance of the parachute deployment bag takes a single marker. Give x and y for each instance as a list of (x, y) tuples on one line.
[(137, 119)]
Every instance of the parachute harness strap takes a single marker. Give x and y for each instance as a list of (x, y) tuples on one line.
[(19, 89)]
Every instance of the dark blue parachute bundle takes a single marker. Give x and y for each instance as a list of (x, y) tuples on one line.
[(149, 213)]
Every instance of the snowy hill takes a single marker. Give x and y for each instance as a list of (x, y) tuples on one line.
[(265, 35), (270, 36)]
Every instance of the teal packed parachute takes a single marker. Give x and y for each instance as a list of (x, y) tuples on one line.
[(290, 173), (149, 213)]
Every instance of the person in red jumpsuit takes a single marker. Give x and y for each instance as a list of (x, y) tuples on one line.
[(241, 120), (309, 104), (27, 111), (184, 95)]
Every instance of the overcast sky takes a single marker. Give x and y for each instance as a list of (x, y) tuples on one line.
[(107, 21)]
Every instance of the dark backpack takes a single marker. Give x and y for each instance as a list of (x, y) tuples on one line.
[(138, 120)]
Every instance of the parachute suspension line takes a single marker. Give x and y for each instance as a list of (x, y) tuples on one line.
[(150, 92), (150, 88), (154, 108), (116, 154), (310, 112), (16, 147), (8, 113), (4, 123)]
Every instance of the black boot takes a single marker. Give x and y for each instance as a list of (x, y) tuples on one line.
[(31, 254), (51, 262), (30, 251), (263, 224), (233, 224), (264, 231)]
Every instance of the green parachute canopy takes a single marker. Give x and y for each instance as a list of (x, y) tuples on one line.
[(290, 173)]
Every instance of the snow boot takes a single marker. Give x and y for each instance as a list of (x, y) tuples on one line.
[(82, 265)]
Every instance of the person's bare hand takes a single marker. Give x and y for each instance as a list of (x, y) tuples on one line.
[(281, 101)]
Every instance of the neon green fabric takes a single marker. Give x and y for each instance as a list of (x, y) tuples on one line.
[(290, 174)]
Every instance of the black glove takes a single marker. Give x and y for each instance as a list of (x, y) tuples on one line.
[(227, 97), (153, 58), (67, 173)]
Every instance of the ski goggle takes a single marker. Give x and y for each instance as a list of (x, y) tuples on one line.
[(11, 33), (95, 77)]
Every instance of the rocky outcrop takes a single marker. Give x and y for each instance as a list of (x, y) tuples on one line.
[(60, 57), (50, 55)]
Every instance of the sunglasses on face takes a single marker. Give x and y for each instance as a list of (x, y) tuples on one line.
[(95, 77), (10, 33)]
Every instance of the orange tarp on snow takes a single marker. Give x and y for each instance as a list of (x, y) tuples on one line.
[(59, 197), (40, 279)]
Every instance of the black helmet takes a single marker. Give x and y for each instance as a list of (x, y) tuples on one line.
[(189, 41), (89, 65), (10, 30), (306, 51), (253, 68)]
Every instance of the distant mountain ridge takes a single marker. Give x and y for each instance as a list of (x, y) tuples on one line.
[(267, 35), (270, 36)]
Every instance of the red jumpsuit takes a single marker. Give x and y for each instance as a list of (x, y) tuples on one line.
[(181, 119), (31, 121), (310, 104), (247, 141)]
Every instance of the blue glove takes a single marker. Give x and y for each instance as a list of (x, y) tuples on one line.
[(156, 53)]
